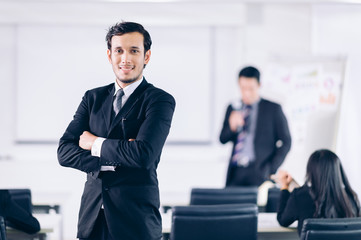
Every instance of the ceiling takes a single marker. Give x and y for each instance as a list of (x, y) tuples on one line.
[(186, 1)]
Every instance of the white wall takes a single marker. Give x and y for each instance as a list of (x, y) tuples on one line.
[(7, 98), (241, 34)]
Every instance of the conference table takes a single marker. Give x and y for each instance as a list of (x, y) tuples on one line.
[(13, 234), (268, 227)]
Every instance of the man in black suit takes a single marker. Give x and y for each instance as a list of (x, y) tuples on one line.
[(259, 132), (116, 137)]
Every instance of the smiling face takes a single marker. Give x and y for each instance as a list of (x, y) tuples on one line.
[(127, 57)]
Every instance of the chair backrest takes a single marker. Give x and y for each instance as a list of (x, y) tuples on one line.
[(233, 195), (2, 229), (23, 198), (273, 199), (214, 222), (331, 229)]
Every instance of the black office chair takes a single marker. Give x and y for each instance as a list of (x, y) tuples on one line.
[(331, 229), (214, 222), (211, 196), (272, 199), (2, 229), (23, 198), (19, 210)]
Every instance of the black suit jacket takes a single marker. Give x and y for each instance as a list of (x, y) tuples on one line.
[(271, 126), (130, 195)]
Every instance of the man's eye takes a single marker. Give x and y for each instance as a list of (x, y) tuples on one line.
[(135, 51)]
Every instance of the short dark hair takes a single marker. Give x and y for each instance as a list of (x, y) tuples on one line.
[(250, 72), (128, 27)]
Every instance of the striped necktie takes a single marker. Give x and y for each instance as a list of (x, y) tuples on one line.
[(117, 104), (238, 158)]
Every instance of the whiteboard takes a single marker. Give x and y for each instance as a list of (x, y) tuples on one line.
[(310, 92), (56, 64)]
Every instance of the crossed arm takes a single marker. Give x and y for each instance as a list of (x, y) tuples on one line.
[(143, 151), (87, 139)]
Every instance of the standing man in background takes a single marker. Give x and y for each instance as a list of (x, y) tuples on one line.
[(259, 132), (116, 137)]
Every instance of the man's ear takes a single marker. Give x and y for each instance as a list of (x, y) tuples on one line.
[(147, 56), (109, 54)]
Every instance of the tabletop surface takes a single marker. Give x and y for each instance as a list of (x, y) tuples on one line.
[(267, 222)]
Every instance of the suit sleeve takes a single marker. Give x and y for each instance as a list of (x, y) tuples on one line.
[(287, 209), (283, 135), (69, 152), (147, 147), (227, 134)]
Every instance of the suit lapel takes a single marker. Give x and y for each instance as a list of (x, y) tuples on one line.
[(259, 118), (108, 108), (130, 103)]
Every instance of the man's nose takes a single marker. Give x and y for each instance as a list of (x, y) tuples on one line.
[(124, 58)]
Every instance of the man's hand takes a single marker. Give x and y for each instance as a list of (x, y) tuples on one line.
[(86, 140), (235, 120)]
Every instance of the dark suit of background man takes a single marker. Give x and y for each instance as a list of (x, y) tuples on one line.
[(259, 132), (120, 151)]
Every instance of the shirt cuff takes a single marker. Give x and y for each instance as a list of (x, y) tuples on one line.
[(97, 147)]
